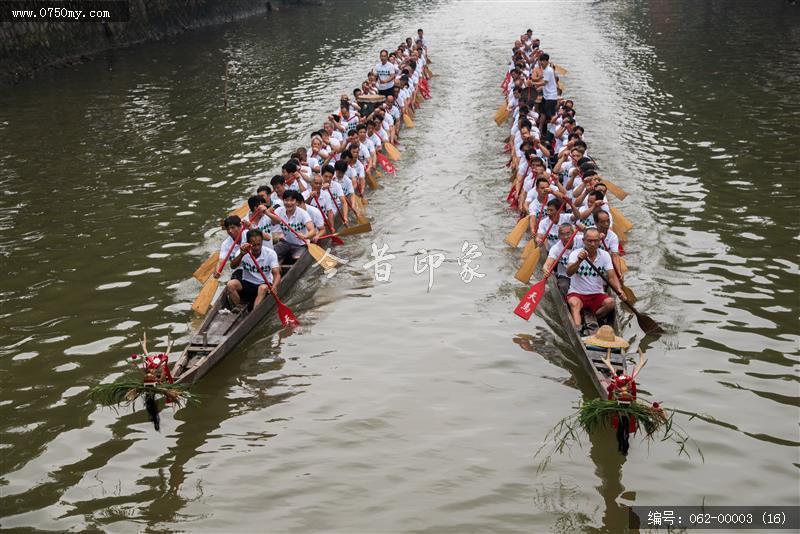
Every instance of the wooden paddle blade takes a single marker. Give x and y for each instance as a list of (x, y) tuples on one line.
[(629, 294), (391, 151), (620, 233), (528, 249), (325, 260), (202, 273), (623, 266), (357, 229), (241, 211), (428, 72), (515, 236), (407, 120), (372, 182), (206, 295), (615, 189), (647, 324), (621, 220), (528, 266), (501, 115), (561, 71), (560, 86), (528, 304)]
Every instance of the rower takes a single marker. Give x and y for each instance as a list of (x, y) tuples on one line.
[(386, 72), (547, 233), (355, 170), (234, 227), (258, 218), (252, 288), (549, 92), (292, 178), (609, 241), (536, 202), (290, 247), (344, 181), (332, 190), (585, 286), (315, 214), (320, 201), (564, 233), (367, 153)]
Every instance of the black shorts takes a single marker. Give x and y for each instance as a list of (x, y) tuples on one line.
[(237, 275), (249, 292), (386, 92), (549, 108)]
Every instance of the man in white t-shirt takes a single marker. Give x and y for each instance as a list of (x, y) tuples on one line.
[(585, 284), (386, 72), (316, 216), (252, 287), (292, 219), (549, 91), (323, 202), (565, 231)]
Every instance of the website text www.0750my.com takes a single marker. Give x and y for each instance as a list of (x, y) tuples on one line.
[(51, 11)]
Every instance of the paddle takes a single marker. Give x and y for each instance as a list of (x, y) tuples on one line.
[(371, 181), (391, 151), (615, 189), (646, 323), (561, 71), (527, 305), (284, 312), (515, 236), (209, 289), (620, 220), (325, 260), (525, 271), (350, 230), (501, 115), (360, 218), (336, 241), (623, 268), (408, 121)]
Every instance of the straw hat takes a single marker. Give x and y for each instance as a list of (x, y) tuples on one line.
[(605, 337)]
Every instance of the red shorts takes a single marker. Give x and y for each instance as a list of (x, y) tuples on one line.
[(590, 302)]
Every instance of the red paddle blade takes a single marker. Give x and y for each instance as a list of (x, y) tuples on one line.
[(336, 240), (286, 315), (528, 304)]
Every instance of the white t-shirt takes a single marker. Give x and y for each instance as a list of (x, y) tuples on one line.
[(556, 249), (226, 246), (297, 221), (551, 236), (267, 261), (386, 75), (322, 201), (344, 183), (265, 225), (534, 206), (612, 241), (585, 281), (550, 89), (356, 171), (316, 216)]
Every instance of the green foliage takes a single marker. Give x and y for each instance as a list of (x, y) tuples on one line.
[(125, 392), (597, 414)]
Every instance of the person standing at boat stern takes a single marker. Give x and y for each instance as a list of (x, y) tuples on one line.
[(291, 247), (387, 72), (585, 285), (252, 287)]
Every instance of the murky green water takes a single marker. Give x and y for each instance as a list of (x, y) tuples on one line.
[(398, 409)]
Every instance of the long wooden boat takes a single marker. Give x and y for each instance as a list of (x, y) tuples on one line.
[(591, 357), (222, 330)]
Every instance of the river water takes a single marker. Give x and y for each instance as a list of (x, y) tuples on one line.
[(396, 408)]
